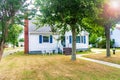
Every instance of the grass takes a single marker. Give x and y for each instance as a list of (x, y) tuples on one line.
[(84, 52), (53, 67), (102, 56)]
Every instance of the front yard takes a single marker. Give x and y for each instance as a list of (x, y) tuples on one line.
[(102, 56), (53, 67)]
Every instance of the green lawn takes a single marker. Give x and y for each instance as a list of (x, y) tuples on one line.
[(102, 56), (53, 67)]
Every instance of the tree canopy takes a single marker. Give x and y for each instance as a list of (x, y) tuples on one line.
[(13, 34), (67, 15)]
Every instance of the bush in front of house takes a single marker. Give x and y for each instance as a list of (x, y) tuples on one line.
[(102, 43)]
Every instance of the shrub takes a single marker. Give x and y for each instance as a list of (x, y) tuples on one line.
[(102, 43)]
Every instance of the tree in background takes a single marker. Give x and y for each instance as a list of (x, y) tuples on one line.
[(108, 18), (66, 15), (93, 40), (8, 10), (21, 40), (13, 34), (108, 15), (102, 43)]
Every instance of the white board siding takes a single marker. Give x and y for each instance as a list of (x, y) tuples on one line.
[(34, 44)]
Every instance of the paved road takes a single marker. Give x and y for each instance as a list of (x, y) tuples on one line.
[(12, 51)]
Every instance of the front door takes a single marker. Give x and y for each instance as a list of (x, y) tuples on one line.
[(63, 41)]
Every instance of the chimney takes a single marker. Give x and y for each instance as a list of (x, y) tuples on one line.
[(26, 37)]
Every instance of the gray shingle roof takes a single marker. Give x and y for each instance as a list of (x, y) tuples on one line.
[(33, 28), (44, 29)]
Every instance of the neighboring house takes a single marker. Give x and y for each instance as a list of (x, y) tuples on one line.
[(115, 36), (42, 40)]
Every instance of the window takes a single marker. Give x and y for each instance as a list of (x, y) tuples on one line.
[(45, 39), (82, 40), (111, 32), (113, 40), (77, 39)]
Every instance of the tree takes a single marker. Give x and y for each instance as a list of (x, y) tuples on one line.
[(95, 30), (66, 15), (93, 39), (108, 18), (14, 33), (8, 10), (21, 40)]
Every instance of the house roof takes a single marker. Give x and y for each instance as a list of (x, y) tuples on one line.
[(34, 29), (44, 29)]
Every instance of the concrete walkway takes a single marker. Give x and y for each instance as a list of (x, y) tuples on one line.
[(100, 62)]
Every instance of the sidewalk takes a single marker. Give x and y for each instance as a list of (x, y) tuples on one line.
[(99, 61)]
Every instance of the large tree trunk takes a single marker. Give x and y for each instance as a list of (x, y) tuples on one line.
[(73, 56), (1, 49), (107, 34)]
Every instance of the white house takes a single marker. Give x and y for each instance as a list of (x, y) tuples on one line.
[(42, 40), (115, 35)]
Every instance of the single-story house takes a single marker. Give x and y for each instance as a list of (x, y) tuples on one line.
[(42, 40)]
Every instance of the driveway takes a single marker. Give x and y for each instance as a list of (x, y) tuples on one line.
[(97, 50), (12, 51)]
